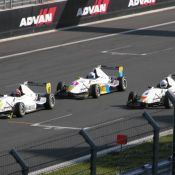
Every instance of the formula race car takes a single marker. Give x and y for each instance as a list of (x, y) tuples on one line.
[(95, 84), (24, 100), (153, 96)]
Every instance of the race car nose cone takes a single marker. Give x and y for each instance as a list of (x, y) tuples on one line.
[(143, 98)]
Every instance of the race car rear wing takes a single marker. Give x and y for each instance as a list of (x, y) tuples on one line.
[(47, 85), (119, 68)]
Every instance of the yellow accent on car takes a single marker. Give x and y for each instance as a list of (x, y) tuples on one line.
[(120, 68), (102, 89), (48, 88)]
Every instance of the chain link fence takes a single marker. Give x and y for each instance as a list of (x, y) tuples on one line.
[(69, 153), (134, 129)]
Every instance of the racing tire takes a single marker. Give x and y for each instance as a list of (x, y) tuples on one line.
[(50, 101), (167, 103), (132, 97), (19, 109), (122, 84), (60, 86), (95, 91)]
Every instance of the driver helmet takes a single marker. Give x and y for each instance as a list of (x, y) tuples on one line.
[(18, 92), (163, 84), (91, 75)]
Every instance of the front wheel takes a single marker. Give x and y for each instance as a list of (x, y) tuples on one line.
[(19, 109), (50, 101), (122, 84)]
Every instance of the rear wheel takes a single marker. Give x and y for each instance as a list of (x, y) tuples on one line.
[(50, 101), (122, 84), (19, 109), (95, 91), (167, 103)]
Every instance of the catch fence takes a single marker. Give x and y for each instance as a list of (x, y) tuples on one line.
[(72, 154)]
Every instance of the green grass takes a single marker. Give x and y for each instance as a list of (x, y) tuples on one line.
[(127, 159)]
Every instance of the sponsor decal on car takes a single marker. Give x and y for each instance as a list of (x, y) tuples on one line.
[(45, 16), (99, 7), (133, 3)]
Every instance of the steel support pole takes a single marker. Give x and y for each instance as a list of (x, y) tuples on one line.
[(18, 158), (171, 96), (156, 128), (90, 142)]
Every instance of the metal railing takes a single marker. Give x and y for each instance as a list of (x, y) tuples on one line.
[(164, 168)]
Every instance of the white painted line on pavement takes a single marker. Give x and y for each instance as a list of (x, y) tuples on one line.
[(40, 124), (158, 51), (84, 40), (112, 52), (46, 121), (128, 54), (88, 24), (118, 48), (55, 127), (102, 124)]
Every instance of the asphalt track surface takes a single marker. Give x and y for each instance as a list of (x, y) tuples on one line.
[(144, 45)]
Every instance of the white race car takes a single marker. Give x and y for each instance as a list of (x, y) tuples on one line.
[(25, 100), (95, 84), (153, 96)]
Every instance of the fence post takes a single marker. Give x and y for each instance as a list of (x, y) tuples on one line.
[(171, 96), (17, 157), (90, 142), (156, 128)]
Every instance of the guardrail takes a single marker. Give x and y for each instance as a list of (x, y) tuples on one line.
[(164, 168)]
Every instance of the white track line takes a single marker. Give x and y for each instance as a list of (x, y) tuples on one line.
[(118, 48), (46, 121), (112, 52), (105, 123), (56, 127), (128, 54), (84, 40)]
